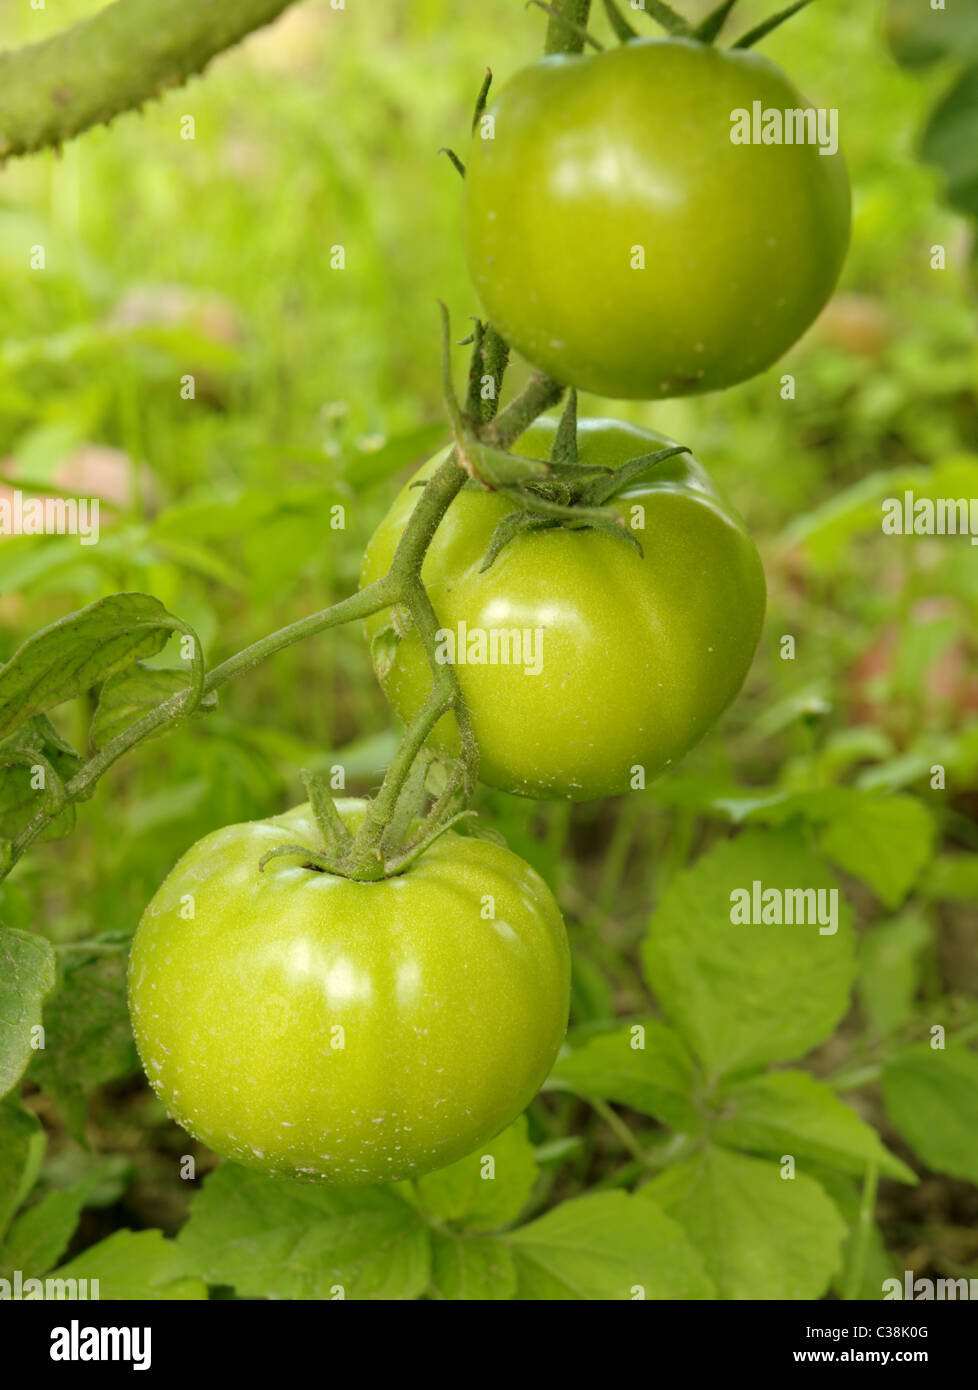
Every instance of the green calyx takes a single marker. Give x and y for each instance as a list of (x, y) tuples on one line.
[(569, 31), (562, 493)]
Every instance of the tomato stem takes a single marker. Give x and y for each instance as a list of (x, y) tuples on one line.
[(862, 1235), (540, 393), (567, 27)]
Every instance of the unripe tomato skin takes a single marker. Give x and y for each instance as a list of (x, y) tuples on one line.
[(620, 240), (641, 654), (310, 1026)]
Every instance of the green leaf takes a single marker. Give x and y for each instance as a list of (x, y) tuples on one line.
[(609, 1247), (951, 878), (78, 651), (128, 695), (554, 1153), (889, 971), (645, 1066), (473, 1268), (759, 1235), (22, 1144), (920, 34), (950, 140), (274, 1239), (931, 1098), (827, 530), (26, 979), (60, 561), (40, 1235), (780, 808), (383, 650), (140, 1265), (34, 744), (845, 749), (88, 1038), (72, 1167), (885, 843), (883, 840), (789, 1112), (486, 1189), (745, 995)]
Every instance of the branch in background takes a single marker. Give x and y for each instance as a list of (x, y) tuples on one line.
[(123, 56)]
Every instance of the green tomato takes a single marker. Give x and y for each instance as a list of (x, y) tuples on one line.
[(308, 1025), (623, 660), (620, 240)]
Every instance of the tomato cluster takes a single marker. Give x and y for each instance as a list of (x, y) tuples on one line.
[(625, 243), (306, 1023)]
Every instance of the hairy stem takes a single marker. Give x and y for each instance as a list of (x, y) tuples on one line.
[(127, 54), (540, 393), (426, 621), (561, 38), (372, 599), (367, 851)]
